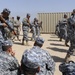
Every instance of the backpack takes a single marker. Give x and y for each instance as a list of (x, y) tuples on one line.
[(67, 68)]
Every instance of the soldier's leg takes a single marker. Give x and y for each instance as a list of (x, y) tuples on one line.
[(60, 36), (38, 32), (18, 33), (23, 38), (34, 34), (69, 53), (66, 42), (27, 31)]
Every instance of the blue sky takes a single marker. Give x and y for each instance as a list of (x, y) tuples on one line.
[(21, 7)]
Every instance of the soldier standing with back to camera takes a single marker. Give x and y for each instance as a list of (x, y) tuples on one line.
[(71, 34), (6, 27), (25, 28)]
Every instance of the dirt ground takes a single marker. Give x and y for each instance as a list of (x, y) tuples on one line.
[(52, 44)]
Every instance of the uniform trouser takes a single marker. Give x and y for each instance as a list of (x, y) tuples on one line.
[(25, 34), (67, 40), (17, 32), (70, 52), (71, 48), (33, 33), (1, 40), (37, 31)]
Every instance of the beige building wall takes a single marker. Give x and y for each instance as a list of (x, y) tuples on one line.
[(50, 20)]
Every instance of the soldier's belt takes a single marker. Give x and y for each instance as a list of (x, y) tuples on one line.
[(26, 25)]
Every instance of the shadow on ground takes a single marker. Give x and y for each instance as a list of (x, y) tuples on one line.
[(56, 49), (53, 37), (56, 44), (57, 59), (54, 40), (19, 43)]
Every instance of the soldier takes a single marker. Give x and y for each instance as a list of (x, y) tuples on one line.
[(71, 34), (57, 31), (29, 66), (42, 57), (17, 27), (25, 28), (12, 20), (33, 29), (37, 28), (8, 63), (6, 27), (40, 26), (63, 28)]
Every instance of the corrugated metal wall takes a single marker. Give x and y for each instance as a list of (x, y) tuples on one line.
[(50, 20)]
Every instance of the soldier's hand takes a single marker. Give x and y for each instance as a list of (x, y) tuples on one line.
[(13, 32), (4, 25), (13, 53)]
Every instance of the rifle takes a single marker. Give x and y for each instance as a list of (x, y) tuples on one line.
[(8, 26)]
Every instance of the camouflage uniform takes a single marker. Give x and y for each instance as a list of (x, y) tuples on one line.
[(33, 31), (63, 28), (31, 66), (42, 57), (8, 63), (57, 31), (6, 31), (25, 28), (17, 26), (33, 28), (1, 41), (37, 29), (71, 35)]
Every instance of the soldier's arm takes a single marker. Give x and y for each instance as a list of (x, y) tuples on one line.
[(3, 25), (50, 64), (15, 23), (25, 22)]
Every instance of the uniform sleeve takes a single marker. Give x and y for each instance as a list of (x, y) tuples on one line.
[(10, 25), (50, 64), (3, 72), (25, 22), (1, 24)]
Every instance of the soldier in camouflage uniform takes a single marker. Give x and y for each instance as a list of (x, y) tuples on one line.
[(42, 57), (25, 28), (17, 27), (71, 35), (33, 29), (29, 66), (37, 29), (6, 28), (63, 27), (8, 63), (13, 22)]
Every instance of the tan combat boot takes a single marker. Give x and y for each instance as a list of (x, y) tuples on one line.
[(27, 44)]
